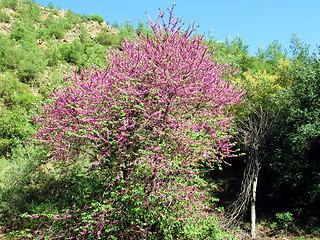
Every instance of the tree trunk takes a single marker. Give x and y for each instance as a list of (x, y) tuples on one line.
[(253, 207)]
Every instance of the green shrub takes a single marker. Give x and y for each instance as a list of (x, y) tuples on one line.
[(95, 56), (52, 53), (50, 5), (49, 21), (66, 23), (72, 52), (126, 31), (56, 31), (285, 219), (29, 10), (96, 17), (20, 183), (15, 93), (23, 31), (12, 4), (106, 38), (85, 36), (42, 33), (15, 128), (205, 228), (4, 17), (10, 53), (56, 77), (115, 25), (74, 18), (56, 26), (32, 63)]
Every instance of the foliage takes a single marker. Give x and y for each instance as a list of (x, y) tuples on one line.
[(11, 4), (32, 64), (233, 51), (142, 125), (18, 187), (55, 27), (274, 52), (285, 219), (10, 53), (14, 93), (143, 28), (14, 129), (56, 31), (4, 17), (72, 18), (52, 53), (29, 10), (23, 31), (295, 163), (126, 31), (115, 25), (116, 39), (262, 89), (72, 52), (96, 18), (254, 123), (95, 56), (107, 38), (300, 50), (42, 44)]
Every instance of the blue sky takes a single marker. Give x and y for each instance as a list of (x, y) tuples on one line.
[(259, 22)]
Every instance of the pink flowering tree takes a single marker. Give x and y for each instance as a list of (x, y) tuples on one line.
[(144, 125)]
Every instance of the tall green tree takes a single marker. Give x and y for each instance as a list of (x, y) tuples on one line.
[(297, 160), (274, 52)]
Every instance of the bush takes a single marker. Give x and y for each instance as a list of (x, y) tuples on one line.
[(108, 39), (56, 31), (24, 31), (56, 26), (72, 52), (15, 93), (126, 31), (96, 18), (14, 129), (20, 187), (12, 4), (285, 220), (74, 18), (32, 63), (95, 56), (29, 10), (52, 53), (139, 129), (4, 17), (10, 53)]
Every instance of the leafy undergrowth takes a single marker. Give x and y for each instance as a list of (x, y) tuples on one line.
[(266, 229), (271, 230)]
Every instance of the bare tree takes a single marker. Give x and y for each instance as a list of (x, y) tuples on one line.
[(253, 135)]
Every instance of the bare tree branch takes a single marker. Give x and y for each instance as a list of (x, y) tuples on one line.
[(252, 137)]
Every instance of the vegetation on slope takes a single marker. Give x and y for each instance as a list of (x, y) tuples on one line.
[(40, 46)]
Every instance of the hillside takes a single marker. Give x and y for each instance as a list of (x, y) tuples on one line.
[(43, 15), (52, 35), (38, 46)]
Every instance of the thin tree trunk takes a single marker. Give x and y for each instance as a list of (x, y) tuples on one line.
[(253, 207)]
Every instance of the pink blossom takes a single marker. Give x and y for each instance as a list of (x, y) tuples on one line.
[(149, 118)]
